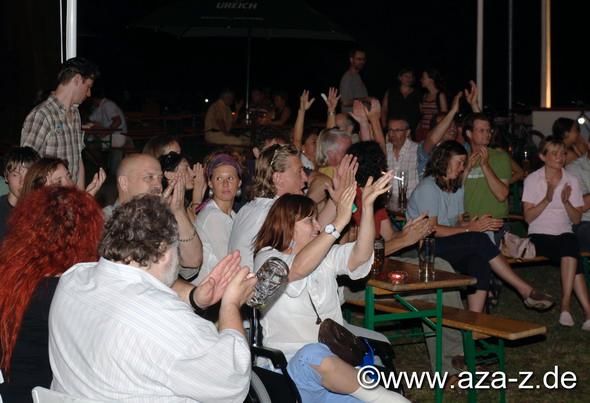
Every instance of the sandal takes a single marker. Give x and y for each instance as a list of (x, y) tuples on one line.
[(458, 362), (451, 383), (538, 300)]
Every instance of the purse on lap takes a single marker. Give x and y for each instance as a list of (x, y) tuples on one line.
[(342, 342), (516, 247)]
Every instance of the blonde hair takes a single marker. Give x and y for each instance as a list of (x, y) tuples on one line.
[(273, 159)]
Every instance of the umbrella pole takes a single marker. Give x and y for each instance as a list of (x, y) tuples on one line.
[(248, 76)]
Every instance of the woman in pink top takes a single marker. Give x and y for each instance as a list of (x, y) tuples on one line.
[(552, 201)]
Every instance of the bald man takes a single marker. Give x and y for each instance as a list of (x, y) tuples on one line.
[(140, 174)]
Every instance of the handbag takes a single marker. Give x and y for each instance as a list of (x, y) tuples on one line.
[(516, 247), (342, 342)]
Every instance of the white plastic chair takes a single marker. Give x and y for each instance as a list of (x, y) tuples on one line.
[(43, 395)]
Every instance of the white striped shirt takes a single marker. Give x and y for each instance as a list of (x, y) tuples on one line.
[(118, 333)]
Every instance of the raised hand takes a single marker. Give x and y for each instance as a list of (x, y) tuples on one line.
[(372, 190), (344, 206), (332, 100), (375, 112), (456, 101), (344, 176), (97, 182), (176, 198), (199, 183), (359, 112), (304, 102), (212, 288), (566, 192), (471, 97)]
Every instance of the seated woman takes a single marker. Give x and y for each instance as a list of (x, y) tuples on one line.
[(292, 233), (552, 201), (39, 246), (464, 244), (49, 171), (215, 216)]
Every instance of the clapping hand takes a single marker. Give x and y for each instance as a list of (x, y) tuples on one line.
[(213, 286), (417, 229), (551, 191), (485, 223), (565, 193), (97, 182), (344, 206), (372, 190), (199, 183), (359, 112), (344, 177), (375, 111)]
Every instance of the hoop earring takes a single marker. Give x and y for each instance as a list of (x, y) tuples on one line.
[(239, 193)]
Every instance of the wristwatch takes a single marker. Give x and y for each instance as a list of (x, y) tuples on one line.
[(331, 229)]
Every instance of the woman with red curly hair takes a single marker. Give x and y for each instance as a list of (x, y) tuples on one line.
[(52, 229)]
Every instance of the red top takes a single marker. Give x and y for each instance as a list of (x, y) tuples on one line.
[(379, 216)]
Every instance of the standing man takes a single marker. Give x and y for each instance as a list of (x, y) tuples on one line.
[(53, 127), (488, 171), (351, 84)]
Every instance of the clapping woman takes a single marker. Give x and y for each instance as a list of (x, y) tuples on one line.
[(290, 323), (552, 201)]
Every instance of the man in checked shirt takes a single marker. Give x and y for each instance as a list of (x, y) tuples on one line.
[(53, 127)]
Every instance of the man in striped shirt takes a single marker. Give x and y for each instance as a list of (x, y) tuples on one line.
[(117, 331)]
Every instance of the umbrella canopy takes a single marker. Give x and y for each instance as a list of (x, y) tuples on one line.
[(255, 18), (243, 18)]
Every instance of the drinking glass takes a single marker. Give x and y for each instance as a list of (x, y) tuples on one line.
[(379, 249), (402, 189), (271, 276), (426, 250)]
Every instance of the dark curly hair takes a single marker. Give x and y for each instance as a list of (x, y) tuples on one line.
[(140, 231), (439, 162), (371, 160)]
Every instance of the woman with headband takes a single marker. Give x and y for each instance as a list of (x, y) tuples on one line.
[(215, 216)]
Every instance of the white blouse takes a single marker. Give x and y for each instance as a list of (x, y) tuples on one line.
[(214, 228), (289, 321)]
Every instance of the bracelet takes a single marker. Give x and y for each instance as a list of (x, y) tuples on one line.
[(188, 239), (331, 113), (192, 301)]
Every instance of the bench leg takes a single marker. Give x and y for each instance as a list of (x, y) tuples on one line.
[(501, 367), (469, 356), (586, 268), (369, 320)]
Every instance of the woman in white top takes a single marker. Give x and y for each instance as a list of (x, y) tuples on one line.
[(215, 216), (291, 232)]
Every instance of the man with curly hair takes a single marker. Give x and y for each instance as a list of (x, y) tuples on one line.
[(117, 331)]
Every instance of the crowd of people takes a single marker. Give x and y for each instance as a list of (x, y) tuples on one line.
[(142, 299)]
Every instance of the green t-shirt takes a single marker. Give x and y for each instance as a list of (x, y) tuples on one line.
[(479, 199)]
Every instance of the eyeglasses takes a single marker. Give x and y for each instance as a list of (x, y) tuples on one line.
[(397, 130)]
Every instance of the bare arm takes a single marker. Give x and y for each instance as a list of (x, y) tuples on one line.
[(332, 103), (413, 231), (304, 105), (517, 172), (374, 116), (574, 213), (436, 134), (308, 259), (363, 247), (479, 224), (472, 98), (442, 99), (384, 108), (360, 114), (499, 187)]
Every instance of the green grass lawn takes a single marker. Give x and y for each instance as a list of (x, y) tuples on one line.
[(568, 348)]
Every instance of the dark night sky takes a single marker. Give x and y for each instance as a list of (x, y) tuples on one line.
[(440, 34)]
